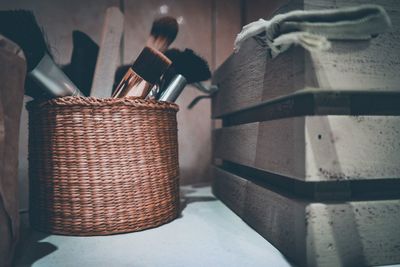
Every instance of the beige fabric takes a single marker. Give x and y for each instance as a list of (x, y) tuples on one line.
[(12, 77), (10, 46), (313, 29)]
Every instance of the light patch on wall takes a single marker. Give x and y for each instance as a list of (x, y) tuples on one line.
[(180, 20), (164, 9)]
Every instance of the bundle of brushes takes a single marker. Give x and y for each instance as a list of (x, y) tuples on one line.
[(152, 75), (139, 78), (187, 67), (143, 74), (20, 26), (191, 67)]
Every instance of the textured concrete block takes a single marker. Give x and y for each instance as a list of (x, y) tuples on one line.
[(316, 148), (249, 77), (353, 233)]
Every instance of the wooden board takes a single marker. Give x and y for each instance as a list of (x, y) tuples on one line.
[(356, 233), (108, 59), (249, 77), (316, 148)]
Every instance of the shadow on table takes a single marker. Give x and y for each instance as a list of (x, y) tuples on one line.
[(187, 197), (31, 248)]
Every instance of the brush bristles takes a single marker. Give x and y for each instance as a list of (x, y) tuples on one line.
[(20, 26), (163, 32), (151, 64), (193, 67)]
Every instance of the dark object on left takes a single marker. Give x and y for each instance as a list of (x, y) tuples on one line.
[(20, 26)]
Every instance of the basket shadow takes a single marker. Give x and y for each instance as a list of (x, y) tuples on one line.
[(191, 195), (31, 247)]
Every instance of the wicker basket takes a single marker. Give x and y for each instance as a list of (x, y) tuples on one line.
[(102, 166)]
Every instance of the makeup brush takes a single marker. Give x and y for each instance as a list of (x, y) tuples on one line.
[(21, 27), (143, 74), (188, 68), (163, 32)]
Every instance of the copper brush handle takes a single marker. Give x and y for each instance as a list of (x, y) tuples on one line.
[(132, 85)]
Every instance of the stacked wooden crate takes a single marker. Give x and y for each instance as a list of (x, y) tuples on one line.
[(309, 149)]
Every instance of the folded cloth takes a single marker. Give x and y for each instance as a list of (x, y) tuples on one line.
[(314, 28)]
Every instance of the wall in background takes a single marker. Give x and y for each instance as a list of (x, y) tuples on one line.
[(208, 27)]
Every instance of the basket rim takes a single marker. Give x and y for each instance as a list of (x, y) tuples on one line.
[(69, 101)]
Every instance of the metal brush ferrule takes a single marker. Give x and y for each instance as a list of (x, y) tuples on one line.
[(50, 77), (132, 85), (154, 92), (174, 89)]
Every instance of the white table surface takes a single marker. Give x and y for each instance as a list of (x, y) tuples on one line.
[(207, 234)]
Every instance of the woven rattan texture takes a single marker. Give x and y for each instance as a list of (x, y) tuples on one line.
[(100, 167)]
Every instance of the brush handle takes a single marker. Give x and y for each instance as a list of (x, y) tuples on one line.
[(132, 85), (174, 89), (107, 60), (153, 92), (50, 77)]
